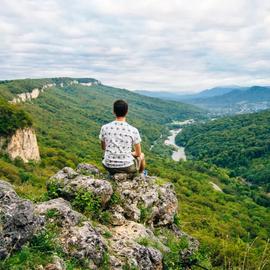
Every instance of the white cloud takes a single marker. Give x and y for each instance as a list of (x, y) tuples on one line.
[(144, 44)]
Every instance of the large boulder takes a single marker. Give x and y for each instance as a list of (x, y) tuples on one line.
[(67, 183), (125, 245), (83, 242), (144, 200), (61, 209), (77, 236), (18, 222)]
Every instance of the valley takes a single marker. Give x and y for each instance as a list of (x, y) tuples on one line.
[(67, 120)]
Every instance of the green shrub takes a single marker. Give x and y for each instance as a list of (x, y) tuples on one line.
[(145, 213), (87, 203)]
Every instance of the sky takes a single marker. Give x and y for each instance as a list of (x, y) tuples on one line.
[(172, 45)]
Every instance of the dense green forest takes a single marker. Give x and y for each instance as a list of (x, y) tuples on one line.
[(232, 228), (12, 118), (240, 143)]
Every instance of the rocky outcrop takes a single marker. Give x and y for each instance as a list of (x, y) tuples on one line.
[(28, 96), (22, 144), (145, 200), (141, 205), (77, 236), (68, 183), (124, 244), (18, 221), (35, 93)]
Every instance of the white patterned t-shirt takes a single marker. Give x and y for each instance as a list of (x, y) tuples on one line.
[(119, 137)]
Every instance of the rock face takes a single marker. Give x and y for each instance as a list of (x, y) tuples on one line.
[(27, 96), (141, 205), (18, 222), (144, 200), (22, 144)]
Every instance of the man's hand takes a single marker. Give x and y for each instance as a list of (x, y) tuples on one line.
[(138, 150)]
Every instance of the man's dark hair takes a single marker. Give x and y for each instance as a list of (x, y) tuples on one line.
[(120, 108)]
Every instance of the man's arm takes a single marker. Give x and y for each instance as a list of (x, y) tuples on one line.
[(137, 150), (103, 145)]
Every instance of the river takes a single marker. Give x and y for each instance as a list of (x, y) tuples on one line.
[(179, 152)]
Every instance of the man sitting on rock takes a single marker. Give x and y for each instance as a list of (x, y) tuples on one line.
[(118, 140)]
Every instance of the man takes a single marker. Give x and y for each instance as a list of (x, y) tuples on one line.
[(118, 140)]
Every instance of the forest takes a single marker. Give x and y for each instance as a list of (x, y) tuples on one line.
[(240, 143), (12, 118)]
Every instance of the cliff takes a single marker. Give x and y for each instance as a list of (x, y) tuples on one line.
[(124, 222), (23, 144), (35, 93)]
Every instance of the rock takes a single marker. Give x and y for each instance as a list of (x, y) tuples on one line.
[(63, 211), (77, 236), (193, 245), (148, 258), (28, 96), (57, 264), (65, 175), (83, 242), (128, 240), (18, 222), (85, 168), (22, 144), (124, 244), (69, 183), (144, 199), (117, 216), (121, 177), (7, 193)]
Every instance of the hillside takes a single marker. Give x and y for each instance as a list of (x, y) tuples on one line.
[(67, 119), (240, 143)]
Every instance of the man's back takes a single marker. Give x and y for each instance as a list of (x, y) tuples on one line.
[(119, 137)]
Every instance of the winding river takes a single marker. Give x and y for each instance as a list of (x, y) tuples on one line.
[(179, 152)]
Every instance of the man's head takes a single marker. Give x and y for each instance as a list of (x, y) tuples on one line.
[(120, 108)]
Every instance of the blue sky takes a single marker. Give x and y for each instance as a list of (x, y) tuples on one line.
[(171, 45)]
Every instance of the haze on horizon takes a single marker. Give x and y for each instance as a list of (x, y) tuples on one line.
[(169, 45)]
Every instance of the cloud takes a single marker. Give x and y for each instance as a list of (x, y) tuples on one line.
[(169, 45)]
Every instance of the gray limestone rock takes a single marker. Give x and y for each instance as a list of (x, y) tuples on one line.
[(85, 168), (144, 199), (68, 183), (18, 222)]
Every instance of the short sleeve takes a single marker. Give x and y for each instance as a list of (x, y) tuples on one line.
[(136, 137), (101, 134)]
